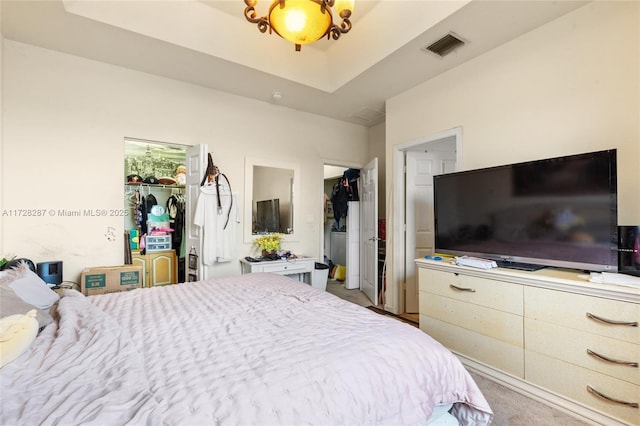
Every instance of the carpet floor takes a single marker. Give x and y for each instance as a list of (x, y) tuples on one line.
[(510, 408)]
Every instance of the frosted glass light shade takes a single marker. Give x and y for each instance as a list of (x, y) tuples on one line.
[(343, 5), (301, 21)]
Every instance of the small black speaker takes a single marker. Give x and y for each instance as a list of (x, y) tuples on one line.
[(629, 250), (50, 272)]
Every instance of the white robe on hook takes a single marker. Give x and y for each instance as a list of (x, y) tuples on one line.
[(218, 243)]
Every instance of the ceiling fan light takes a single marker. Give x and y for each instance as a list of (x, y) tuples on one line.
[(302, 21)]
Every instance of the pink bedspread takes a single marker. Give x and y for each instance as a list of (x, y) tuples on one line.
[(258, 349)]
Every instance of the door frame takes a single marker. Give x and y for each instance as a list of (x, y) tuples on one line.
[(203, 148), (398, 209)]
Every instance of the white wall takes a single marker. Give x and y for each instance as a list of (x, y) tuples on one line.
[(568, 87), (65, 120)]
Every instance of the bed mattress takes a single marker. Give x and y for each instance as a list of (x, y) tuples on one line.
[(259, 349)]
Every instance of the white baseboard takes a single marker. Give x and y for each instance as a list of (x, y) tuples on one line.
[(544, 396)]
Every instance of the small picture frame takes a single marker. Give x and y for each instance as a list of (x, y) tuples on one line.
[(193, 262), (193, 278)]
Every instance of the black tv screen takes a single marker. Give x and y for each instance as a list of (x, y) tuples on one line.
[(559, 212), (268, 216)]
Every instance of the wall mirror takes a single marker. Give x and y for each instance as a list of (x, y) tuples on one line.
[(270, 198)]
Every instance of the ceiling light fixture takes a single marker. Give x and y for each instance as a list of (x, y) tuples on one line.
[(302, 21)]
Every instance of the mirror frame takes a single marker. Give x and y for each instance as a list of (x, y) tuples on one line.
[(249, 163)]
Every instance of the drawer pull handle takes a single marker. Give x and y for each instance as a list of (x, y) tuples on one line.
[(455, 287), (611, 360), (612, 322), (608, 398)]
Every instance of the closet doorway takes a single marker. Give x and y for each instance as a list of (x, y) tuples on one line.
[(159, 202), (341, 237)]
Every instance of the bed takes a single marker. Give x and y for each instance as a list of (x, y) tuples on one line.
[(257, 349)]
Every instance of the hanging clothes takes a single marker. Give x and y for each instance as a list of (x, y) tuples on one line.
[(351, 177), (212, 175), (344, 191), (176, 212), (339, 201), (216, 215), (137, 200), (151, 201), (143, 217)]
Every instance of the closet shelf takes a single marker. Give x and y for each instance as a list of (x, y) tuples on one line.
[(154, 185)]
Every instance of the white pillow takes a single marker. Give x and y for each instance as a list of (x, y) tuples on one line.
[(11, 304), (17, 332), (29, 287)]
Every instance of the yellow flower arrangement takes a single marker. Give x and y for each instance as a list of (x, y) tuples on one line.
[(268, 242)]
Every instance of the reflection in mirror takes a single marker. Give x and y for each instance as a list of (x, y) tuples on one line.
[(270, 198), (272, 204)]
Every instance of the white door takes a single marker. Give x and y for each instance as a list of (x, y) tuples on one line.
[(196, 166), (352, 246), (421, 166), (369, 230)]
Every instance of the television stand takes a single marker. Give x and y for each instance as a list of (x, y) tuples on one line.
[(519, 265), (530, 331)]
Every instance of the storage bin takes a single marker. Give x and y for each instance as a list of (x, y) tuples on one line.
[(158, 243)]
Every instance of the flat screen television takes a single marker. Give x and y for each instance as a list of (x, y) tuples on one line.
[(559, 212), (268, 216)]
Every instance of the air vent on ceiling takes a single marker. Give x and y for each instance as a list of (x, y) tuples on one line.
[(445, 45), (368, 114)]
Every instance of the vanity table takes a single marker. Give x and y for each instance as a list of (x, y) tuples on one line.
[(299, 268)]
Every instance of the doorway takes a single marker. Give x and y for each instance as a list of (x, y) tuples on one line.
[(341, 235), (415, 165), (162, 183)]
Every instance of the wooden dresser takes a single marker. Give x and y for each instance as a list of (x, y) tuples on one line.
[(550, 334)]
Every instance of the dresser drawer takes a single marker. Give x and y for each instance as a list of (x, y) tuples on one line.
[(497, 353), (573, 346), (574, 310), (572, 381), (498, 295), (290, 268), (499, 325)]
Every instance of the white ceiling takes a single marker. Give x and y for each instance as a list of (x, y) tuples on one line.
[(210, 43)]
